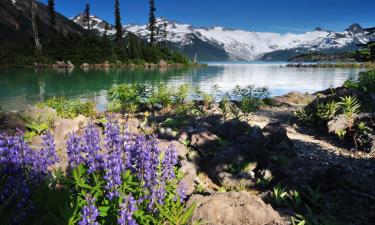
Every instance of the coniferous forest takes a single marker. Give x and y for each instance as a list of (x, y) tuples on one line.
[(46, 42)]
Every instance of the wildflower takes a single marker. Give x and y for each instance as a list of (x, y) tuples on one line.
[(127, 209), (91, 146), (74, 150), (89, 212), (181, 191)]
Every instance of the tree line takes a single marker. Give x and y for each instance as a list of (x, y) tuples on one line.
[(123, 47)]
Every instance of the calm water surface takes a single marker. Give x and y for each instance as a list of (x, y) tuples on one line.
[(21, 87)]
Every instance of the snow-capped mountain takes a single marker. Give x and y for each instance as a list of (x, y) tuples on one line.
[(219, 43), (245, 45), (96, 24)]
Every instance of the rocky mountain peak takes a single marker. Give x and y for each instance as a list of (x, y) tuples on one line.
[(355, 28)]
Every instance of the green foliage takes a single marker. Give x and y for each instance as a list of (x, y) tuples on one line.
[(307, 204), (367, 81), (80, 49), (35, 128), (70, 108), (162, 96), (280, 194), (350, 107), (351, 84), (127, 97), (250, 98), (327, 111), (175, 212), (303, 116)]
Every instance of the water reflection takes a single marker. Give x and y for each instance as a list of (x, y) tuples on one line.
[(21, 87)]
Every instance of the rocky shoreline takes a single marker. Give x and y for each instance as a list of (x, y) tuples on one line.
[(162, 64), (332, 65), (231, 166)]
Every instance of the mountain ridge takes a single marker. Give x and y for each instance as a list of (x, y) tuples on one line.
[(241, 45)]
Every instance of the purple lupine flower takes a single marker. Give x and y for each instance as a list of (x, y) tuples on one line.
[(114, 165), (47, 156), (113, 171), (91, 146), (127, 209), (74, 150), (181, 191), (170, 159), (21, 168), (89, 212)]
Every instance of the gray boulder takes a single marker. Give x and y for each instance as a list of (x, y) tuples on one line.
[(189, 171), (238, 154), (40, 114), (234, 208), (180, 148), (277, 138), (204, 141), (337, 124)]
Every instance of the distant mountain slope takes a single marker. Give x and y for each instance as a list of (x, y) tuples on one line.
[(96, 24), (15, 20), (218, 43), (245, 45)]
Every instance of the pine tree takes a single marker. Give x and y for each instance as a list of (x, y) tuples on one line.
[(87, 16), (51, 11), (118, 25), (165, 32), (152, 22)]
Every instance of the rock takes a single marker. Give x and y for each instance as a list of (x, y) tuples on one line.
[(85, 66), (266, 174), (277, 138), (337, 124), (236, 154), (40, 114), (11, 122), (234, 182), (329, 178), (106, 64), (133, 125), (204, 141), (180, 148), (234, 208), (189, 170), (81, 120), (163, 64), (294, 98), (193, 156), (167, 133), (70, 65), (183, 138), (36, 143), (232, 129), (63, 127)]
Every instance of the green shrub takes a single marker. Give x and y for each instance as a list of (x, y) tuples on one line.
[(127, 97), (327, 111), (250, 98), (350, 107), (70, 108), (367, 81), (162, 96)]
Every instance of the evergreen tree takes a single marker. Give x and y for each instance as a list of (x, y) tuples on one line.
[(118, 25), (152, 22), (165, 32), (51, 11), (87, 16)]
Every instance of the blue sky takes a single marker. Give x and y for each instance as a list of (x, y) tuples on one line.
[(255, 15)]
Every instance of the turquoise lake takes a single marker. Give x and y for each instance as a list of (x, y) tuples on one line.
[(19, 88)]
